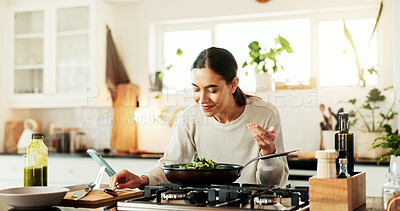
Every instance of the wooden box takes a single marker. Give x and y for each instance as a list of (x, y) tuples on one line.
[(337, 194)]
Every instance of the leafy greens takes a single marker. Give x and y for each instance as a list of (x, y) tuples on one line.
[(200, 163)]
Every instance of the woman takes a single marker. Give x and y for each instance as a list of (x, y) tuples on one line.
[(224, 125)]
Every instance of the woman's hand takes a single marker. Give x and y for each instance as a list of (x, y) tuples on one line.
[(265, 138), (126, 179)]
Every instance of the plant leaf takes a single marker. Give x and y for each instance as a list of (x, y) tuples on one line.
[(367, 106), (376, 23), (275, 68), (255, 46), (375, 95), (179, 52), (284, 43), (244, 64), (353, 46), (353, 101), (372, 70)]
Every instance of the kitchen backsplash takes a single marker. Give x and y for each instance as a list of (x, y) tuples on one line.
[(299, 111), (96, 123)]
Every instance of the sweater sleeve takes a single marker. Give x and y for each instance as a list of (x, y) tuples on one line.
[(274, 171), (181, 149)]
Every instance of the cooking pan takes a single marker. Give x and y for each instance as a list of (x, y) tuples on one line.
[(226, 173)]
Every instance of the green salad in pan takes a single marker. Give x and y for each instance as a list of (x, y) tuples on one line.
[(200, 163)]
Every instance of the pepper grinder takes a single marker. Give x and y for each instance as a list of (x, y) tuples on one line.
[(326, 167)]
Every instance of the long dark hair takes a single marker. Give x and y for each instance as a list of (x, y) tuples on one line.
[(222, 62)]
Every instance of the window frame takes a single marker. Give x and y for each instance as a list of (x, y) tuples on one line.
[(315, 17)]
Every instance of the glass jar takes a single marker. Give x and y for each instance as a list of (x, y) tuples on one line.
[(391, 189), (80, 142), (35, 167)]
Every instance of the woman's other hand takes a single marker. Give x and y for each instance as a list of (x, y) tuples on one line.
[(126, 179), (265, 138)]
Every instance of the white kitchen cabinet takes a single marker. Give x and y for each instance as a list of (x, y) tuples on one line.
[(65, 171), (58, 53), (68, 170)]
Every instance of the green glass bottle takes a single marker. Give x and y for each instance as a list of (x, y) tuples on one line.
[(344, 143), (35, 170)]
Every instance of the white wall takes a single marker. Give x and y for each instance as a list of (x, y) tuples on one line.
[(299, 109), (5, 112)]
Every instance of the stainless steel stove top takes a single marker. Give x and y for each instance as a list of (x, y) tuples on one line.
[(219, 197)]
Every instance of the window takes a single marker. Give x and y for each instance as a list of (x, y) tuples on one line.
[(235, 37), (337, 66), (333, 60), (191, 42)]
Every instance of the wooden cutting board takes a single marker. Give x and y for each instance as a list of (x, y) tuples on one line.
[(12, 133), (96, 198), (124, 128)]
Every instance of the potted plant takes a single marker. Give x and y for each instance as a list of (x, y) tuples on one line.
[(266, 62), (390, 142), (370, 122)]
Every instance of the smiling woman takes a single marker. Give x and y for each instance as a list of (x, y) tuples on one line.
[(224, 121)]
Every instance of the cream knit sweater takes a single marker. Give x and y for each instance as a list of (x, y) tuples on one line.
[(197, 135)]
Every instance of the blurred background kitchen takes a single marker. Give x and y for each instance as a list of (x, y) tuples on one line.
[(54, 57)]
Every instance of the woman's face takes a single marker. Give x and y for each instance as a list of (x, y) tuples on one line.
[(210, 91)]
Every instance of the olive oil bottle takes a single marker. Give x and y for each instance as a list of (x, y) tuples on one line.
[(344, 143), (35, 170)]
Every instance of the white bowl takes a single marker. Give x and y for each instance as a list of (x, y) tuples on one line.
[(33, 197)]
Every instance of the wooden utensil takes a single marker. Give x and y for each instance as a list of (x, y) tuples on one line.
[(325, 118), (96, 198), (330, 118), (321, 142)]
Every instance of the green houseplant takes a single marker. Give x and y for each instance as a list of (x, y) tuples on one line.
[(379, 122), (266, 61), (370, 121), (260, 56), (390, 142)]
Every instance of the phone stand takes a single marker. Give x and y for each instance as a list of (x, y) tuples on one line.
[(99, 177)]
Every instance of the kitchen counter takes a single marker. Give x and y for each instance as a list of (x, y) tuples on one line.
[(145, 155), (373, 203), (293, 161)]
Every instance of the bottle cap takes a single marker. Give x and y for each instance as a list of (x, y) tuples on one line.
[(37, 135), (326, 154), (343, 116), (343, 160)]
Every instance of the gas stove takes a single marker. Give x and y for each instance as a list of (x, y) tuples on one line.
[(219, 197)]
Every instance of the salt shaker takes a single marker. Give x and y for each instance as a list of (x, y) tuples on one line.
[(326, 167)]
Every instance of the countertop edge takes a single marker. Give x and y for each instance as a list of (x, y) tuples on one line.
[(105, 155)]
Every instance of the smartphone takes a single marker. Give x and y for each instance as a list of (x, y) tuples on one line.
[(100, 160)]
